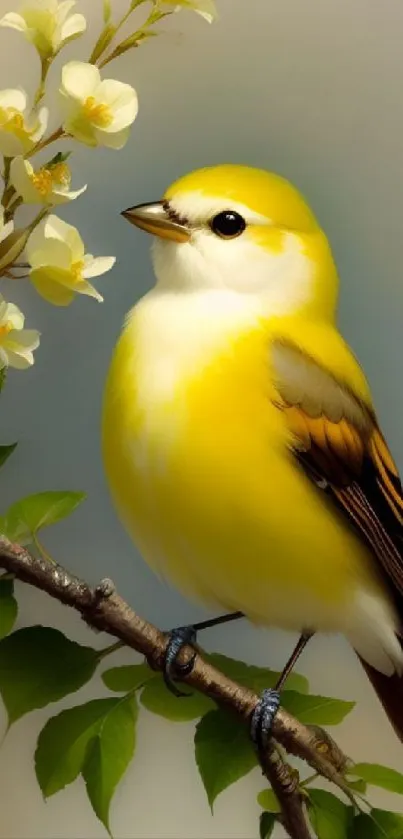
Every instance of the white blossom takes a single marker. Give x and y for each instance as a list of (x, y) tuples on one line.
[(60, 268), (47, 185), (16, 343), (96, 112), (47, 24), (19, 130)]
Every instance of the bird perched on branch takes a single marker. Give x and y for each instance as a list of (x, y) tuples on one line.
[(240, 440)]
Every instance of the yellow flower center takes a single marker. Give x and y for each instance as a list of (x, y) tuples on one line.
[(5, 328), (11, 120), (97, 113), (61, 174), (44, 179), (76, 270)]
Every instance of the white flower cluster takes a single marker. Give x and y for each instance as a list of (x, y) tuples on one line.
[(94, 111)]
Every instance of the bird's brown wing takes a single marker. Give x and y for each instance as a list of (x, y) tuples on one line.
[(337, 440)]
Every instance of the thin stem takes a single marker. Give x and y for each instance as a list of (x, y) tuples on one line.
[(45, 65), (109, 650), (127, 14), (6, 179), (136, 37), (56, 135), (42, 213), (309, 779), (109, 33)]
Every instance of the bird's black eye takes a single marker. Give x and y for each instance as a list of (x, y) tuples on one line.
[(228, 224)]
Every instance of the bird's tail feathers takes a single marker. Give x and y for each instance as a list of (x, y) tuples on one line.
[(389, 690)]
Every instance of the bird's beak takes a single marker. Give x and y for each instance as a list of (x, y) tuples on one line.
[(155, 219)]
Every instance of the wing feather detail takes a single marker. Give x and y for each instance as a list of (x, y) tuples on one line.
[(338, 443)]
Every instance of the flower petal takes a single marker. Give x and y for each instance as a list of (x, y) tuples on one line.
[(51, 291), (64, 8), (60, 197), (122, 102), (98, 265), (3, 310), (37, 131), (13, 98), (3, 359), (20, 177), (67, 233), (21, 340), (112, 141), (48, 245), (89, 290), (19, 361), (79, 79), (78, 126), (53, 253), (14, 316), (73, 27), (14, 21), (10, 145), (55, 228)]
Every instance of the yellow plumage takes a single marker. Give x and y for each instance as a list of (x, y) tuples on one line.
[(198, 449)]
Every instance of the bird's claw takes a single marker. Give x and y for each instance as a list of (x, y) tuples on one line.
[(263, 717), (178, 638)]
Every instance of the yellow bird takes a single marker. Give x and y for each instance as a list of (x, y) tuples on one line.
[(240, 440)]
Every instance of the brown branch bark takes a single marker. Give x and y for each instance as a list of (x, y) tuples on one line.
[(284, 783), (103, 609)]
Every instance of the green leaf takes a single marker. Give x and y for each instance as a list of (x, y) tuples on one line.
[(267, 822), (5, 452), (269, 801), (315, 710), (330, 817), (378, 776), (128, 677), (8, 607), (255, 678), (223, 751), (159, 700), (59, 157), (379, 824), (109, 755), (29, 515), (63, 742), (39, 665)]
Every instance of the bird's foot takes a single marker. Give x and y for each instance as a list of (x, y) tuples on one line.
[(177, 639), (181, 637), (263, 717)]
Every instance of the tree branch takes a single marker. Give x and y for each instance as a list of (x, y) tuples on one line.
[(284, 782), (103, 609)]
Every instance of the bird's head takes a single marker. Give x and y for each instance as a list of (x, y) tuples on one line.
[(243, 229)]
